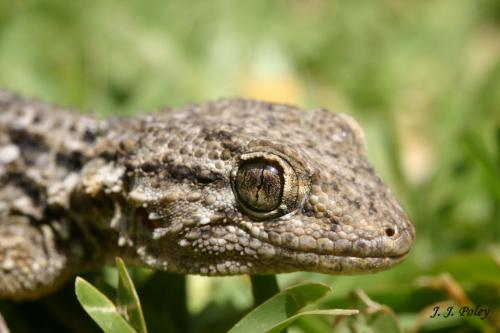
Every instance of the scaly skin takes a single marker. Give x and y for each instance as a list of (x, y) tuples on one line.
[(227, 187)]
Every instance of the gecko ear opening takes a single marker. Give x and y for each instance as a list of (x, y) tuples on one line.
[(356, 130), (337, 129)]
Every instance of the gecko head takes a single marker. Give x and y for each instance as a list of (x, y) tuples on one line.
[(253, 187)]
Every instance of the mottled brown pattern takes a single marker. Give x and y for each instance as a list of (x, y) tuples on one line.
[(159, 190)]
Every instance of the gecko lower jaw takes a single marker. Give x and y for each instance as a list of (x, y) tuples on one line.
[(395, 257), (356, 265), (333, 264)]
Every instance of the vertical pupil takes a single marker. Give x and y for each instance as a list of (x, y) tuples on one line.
[(259, 185)]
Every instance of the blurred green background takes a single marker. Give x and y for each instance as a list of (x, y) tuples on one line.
[(422, 77)]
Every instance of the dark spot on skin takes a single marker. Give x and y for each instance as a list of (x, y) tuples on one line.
[(361, 244), (220, 135), (71, 160), (180, 172), (369, 193), (379, 182), (357, 203), (368, 168), (333, 227), (231, 215), (335, 187), (108, 156), (28, 141), (57, 124), (166, 159), (37, 119), (384, 195), (333, 220), (207, 176), (225, 155), (30, 144), (316, 178), (372, 209), (149, 167), (232, 147), (217, 216), (30, 187), (89, 135)]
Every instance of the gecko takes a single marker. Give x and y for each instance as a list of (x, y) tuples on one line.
[(226, 187)]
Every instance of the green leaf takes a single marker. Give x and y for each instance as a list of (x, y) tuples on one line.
[(100, 308), (127, 301), (282, 309)]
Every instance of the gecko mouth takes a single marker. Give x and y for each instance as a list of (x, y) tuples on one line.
[(287, 261), (338, 254)]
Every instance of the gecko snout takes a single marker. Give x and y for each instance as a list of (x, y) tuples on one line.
[(398, 239)]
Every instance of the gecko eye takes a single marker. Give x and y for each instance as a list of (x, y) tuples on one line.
[(266, 185), (259, 185)]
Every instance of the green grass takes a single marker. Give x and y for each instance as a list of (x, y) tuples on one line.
[(272, 315), (422, 77)]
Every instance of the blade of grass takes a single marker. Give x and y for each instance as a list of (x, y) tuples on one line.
[(100, 308), (127, 301)]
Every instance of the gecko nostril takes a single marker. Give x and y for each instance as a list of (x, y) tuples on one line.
[(390, 232)]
